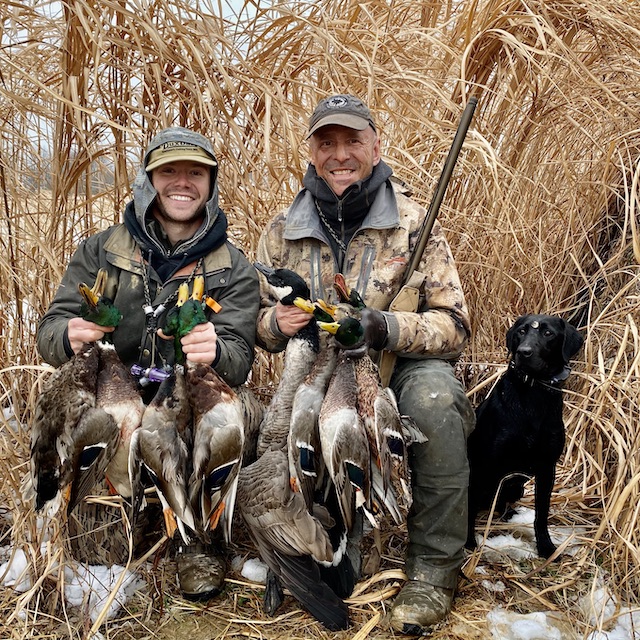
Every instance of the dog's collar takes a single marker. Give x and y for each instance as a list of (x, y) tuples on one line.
[(554, 381)]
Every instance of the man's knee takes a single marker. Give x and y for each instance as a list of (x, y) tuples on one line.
[(431, 395)]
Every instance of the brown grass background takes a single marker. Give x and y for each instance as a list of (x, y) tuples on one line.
[(541, 214)]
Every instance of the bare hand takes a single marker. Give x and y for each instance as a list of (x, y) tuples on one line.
[(291, 319), (80, 332), (201, 343)]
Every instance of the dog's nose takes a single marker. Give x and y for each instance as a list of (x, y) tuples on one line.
[(525, 352)]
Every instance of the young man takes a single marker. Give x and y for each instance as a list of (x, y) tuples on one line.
[(351, 218), (173, 230)]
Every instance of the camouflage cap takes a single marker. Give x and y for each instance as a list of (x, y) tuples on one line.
[(344, 110)]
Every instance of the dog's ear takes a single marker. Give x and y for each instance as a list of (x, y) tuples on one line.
[(511, 333), (573, 340)]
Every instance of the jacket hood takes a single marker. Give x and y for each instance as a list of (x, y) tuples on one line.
[(144, 193), (212, 232)]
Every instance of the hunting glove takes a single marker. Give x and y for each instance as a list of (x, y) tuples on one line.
[(375, 333)]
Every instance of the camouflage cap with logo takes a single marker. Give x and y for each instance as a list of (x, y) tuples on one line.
[(177, 150), (345, 110)]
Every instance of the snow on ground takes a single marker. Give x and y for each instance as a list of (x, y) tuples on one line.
[(600, 608), (92, 586), (87, 586)]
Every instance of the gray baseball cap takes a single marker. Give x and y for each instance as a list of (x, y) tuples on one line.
[(344, 110)]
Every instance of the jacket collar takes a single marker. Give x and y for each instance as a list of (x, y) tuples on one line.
[(303, 222)]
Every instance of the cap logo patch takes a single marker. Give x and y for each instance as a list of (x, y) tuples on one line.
[(337, 102)]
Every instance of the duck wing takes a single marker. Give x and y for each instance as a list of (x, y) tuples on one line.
[(160, 454), (290, 540), (218, 441), (117, 394), (253, 413), (67, 425), (95, 440)]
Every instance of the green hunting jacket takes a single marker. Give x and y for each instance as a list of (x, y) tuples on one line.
[(375, 263), (230, 279)]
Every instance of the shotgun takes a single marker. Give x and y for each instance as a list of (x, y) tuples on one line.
[(407, 297)]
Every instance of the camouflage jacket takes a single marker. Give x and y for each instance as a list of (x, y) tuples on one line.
[(375, 263)]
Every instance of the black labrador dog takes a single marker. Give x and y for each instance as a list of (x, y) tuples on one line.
[(519, 426)]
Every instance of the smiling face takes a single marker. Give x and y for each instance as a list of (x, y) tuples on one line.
[(342, 156), (183, 190)]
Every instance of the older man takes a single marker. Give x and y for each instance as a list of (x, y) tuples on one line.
[(352, 217)]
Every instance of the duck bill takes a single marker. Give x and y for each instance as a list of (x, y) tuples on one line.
[(340, 285), (183, 294), (88, 295), (198, 288), (331, 327), (305, 305)]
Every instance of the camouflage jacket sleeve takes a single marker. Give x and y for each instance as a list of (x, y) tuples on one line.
[(440, 327), (268, 335), (377, 257)]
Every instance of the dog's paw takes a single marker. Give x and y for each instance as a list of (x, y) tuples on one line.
[(546, 548)]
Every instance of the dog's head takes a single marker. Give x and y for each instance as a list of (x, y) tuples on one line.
[(542, 345)]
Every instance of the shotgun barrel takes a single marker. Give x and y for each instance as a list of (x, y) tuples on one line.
[(443, 182)]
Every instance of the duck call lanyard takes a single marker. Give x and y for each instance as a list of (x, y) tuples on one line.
[(154, 373)]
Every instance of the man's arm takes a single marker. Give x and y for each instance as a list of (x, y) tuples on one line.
[(53, 340)]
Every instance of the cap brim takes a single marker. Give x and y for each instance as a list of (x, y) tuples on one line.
[(184, 157), (342, 119)]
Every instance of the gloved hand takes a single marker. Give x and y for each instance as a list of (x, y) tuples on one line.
[(375, 328), (375, 333)]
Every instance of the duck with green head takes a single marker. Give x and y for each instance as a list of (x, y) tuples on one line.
[(192, 438), (81, 413), (384, 426), (291, 540)]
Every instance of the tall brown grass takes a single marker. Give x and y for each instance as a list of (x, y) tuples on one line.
[(541, 212)]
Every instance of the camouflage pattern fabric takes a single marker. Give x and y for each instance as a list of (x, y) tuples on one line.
[(376, 260)]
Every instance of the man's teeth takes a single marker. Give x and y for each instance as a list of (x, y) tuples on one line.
[(181, 198)]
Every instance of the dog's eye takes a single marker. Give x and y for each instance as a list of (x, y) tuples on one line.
[(547, 333)]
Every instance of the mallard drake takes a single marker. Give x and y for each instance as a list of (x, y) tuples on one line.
[(344, 443), (117, 390), (218, 428), (388, 433), (160, 450), (218, 441), (191, 440), (95, 307), (72, 438), (184, 315)]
